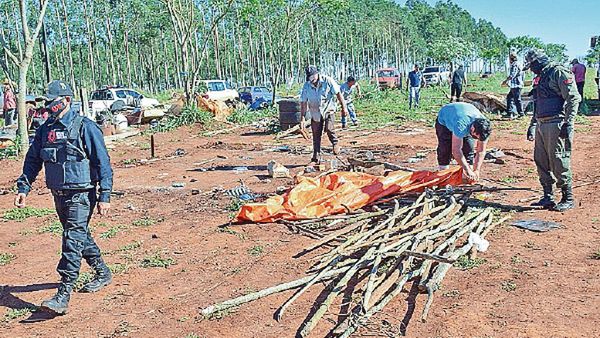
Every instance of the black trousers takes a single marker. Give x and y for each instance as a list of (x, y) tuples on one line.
[(456, 90), (74, 210), (514, 97), (580, 88), (444, 148)]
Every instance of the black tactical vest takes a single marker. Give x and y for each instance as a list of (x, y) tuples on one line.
[(66, 164), (548, 103)]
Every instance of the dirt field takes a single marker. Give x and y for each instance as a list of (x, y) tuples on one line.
[(531, 285)]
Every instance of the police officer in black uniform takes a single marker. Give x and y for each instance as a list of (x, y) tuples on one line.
[(77, 168)]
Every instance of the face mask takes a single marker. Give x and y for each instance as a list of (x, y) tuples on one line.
[(56, 107)]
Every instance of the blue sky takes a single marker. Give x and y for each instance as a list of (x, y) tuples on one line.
[(572, 22)]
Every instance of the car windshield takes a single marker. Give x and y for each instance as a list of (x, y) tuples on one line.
[(431, 69), (385, 73), (101, 95), (215, 86)]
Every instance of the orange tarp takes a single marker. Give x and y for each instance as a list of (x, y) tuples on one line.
[(342, 191)]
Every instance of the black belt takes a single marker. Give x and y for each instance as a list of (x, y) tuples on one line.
[(67, 192), (552, 119)]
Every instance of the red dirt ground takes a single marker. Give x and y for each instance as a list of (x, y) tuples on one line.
[(557, 283)]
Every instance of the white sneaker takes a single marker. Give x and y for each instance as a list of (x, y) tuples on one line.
[(443, 167)]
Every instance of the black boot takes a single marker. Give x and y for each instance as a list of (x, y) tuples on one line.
[(102, 278), (547, 202), (59, 304), (567, 201)]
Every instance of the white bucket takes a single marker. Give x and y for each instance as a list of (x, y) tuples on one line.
[(120, 122)]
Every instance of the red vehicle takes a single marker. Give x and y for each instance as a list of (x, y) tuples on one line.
[(388, 78)]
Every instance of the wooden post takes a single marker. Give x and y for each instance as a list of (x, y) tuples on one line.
[(152, 146)]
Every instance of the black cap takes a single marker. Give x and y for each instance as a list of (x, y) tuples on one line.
[(58, 88), (310, 71)]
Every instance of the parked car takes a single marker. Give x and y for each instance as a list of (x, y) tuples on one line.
[(220, 90), (388, 78), (103, 99), (436, 75), (250, 94)]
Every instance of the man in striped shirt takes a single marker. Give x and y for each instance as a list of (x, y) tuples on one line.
[(515, 83)]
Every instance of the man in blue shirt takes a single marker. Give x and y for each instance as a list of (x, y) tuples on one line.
[(318, 98), (415, 82), (457, 127), (71, 148)]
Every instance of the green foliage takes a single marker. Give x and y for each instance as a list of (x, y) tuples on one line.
[(595, 255), (146, 221), (508, 286), (234, 205), (112, 232), (256, 250), (83, 279), (117, 268), (466, 263), (54, 228), (247, 116), (13, 314), (189, 115), (21, 214), (6, 258), (157, 261), (130, 246)]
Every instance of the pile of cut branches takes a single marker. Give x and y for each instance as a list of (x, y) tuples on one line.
[(372, 255)]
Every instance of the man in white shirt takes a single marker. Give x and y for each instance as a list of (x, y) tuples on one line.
[(318, 98)]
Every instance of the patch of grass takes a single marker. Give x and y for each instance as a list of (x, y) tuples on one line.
[(183, 319), (595, 255), (12, 244), (144, 146), (234, 205), (466, 263), (230, 231), (509, 286), (190, 115), (146, 221), (256, 250), (452, 294), (54, 228), (191, 335), (247, 116), (112, 232), (130, 246), (117, 268), (25, 232), (509, 179), (84, 278), (6, 258), (157, 261), (21, 214), (13, 314), (221, 314), (516, 259)]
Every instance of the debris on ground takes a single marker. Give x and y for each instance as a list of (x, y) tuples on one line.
[(495, 156), (371, 256), (537, 225), (486, 101), (277, 170)]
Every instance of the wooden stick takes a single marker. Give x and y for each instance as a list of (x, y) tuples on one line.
[(268, 291)]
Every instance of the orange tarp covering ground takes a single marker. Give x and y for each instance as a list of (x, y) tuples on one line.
[(342, 191)]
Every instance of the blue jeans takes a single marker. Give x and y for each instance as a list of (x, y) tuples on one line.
[(74, 210), (413, 94), (351, 112)]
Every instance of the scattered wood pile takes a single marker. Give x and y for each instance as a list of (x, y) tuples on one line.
[(370, 256), (486, 101)]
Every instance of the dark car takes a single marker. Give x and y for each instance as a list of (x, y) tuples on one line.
[(250, 94)]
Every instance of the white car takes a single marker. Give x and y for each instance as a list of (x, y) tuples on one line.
[(102, 99), (436, 75), (220, 90)]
